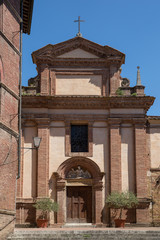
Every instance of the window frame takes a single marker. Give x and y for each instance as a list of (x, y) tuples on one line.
[(68, 139)]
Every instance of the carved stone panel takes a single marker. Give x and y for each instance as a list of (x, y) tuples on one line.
[(77, 173)]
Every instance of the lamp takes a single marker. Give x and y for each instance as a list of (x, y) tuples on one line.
[(37, 141)]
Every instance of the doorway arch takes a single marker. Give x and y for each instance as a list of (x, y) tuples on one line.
[(92, 182)]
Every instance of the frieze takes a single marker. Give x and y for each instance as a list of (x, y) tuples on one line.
[(78, 62), (87, 102)]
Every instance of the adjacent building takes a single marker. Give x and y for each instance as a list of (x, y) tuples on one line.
[(15, 18)]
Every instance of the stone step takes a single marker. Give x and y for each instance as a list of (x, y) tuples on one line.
[(85, 235), (78, 225)]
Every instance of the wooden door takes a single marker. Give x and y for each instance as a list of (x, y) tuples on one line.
[(79, 204)]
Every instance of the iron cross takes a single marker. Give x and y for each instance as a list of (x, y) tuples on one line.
[(79, 21)]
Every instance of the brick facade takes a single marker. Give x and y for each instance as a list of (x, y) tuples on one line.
[(9, 101), (107, 159), (9, 78)]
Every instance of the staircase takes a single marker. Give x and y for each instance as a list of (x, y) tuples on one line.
[(87, 234)]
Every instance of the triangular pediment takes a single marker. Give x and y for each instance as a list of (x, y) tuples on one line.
[(78, 53), (77, 47)]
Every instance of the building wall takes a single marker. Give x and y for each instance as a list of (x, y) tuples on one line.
[(155, 146), (127, 158), (78, 85), (101, 151), (118, 154), (9, 77)]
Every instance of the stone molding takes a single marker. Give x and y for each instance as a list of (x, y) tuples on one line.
[(10, 43), (9, 130), (68, 152), (2, 85), (50, 52), (7, 212), (86, 102), (97, 185)]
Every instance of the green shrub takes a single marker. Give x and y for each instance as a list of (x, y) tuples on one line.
[(122, 200), (119, 92), (134, 94), (46, 205)]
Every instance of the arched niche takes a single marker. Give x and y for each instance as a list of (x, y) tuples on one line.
[(83, 162)]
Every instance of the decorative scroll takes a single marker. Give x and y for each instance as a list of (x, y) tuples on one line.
[(78, 173), (125, 82)]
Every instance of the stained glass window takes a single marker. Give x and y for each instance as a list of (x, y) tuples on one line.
[(79, 138)]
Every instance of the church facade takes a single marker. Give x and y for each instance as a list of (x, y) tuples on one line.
[(95, 137)]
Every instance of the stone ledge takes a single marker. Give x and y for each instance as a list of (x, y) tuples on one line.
[(7, 212)]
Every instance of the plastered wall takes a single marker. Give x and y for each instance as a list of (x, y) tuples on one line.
[(127, 158), (77, 53), (155, 146), (29, 164), (78, 85)]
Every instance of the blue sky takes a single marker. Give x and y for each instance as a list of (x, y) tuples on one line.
[(130, 26)]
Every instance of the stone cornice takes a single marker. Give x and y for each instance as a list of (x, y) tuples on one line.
[(65, 62), (87, 102), (51, 52)]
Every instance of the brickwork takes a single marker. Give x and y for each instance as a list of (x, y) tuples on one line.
[(98, 204), (142, 214), (9, 90), (155, 191), (115, 158), (43, 162), (44, 87), (26, 214), (7, 223), (114, 79)]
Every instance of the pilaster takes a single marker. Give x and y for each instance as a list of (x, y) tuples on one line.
[(44, 80), (61, 196), (43, 159), (115, 156), (98, 202), (142, 212)]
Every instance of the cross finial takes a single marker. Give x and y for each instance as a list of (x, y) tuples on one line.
[(79, 34)]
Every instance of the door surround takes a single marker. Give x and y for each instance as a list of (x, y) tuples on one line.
[(95, 182)]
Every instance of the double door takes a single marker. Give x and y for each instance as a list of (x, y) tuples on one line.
[(79, 204)]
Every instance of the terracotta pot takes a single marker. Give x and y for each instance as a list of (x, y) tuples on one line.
[(119, 223), (42, 223)]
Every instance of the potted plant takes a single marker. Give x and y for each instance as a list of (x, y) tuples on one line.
[(46, 205), (121, 201)]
